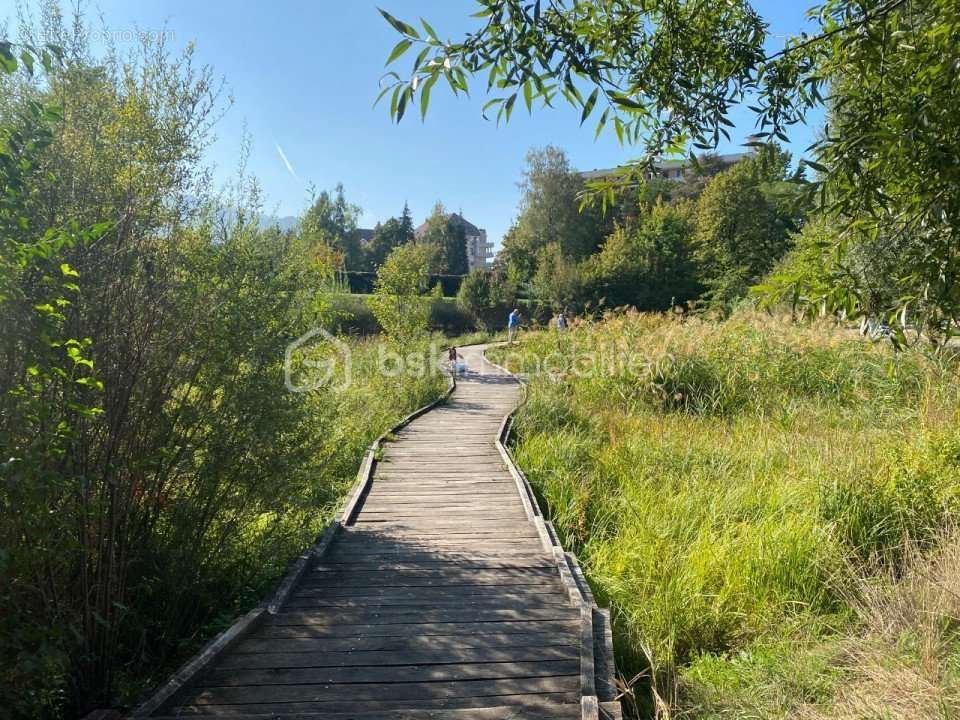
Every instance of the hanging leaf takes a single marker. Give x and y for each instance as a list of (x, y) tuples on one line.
[(399, 49), (588, 106)]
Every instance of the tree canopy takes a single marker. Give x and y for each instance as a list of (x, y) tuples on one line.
[(448, 236), (666, 75), (333, 220), (387, 236)]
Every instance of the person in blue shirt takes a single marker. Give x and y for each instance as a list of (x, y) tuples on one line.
[(561, 322), (513, 325)]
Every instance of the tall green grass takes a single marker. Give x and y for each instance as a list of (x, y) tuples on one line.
[(725, 484)]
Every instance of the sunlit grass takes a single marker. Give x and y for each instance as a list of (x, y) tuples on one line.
[(726, 493)]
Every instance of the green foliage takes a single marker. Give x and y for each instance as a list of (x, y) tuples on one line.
[(918, 494), (549, 213), (474, 293), (743, 225), (558, 281), (665, 249), (647, 261), (489, 296), (391, 234), (332, 220), (447, 235), (353, 316), (726, 486), (889, 173), (401, 302), (668, 70)]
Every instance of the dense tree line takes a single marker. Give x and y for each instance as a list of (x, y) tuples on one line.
[(333, 221), (706, 238)]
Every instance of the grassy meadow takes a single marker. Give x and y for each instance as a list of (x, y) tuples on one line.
[(767, 508)]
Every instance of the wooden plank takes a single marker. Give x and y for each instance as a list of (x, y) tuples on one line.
[(388, 691), (588, 688), (421, 576), (556, 637), (376, 710), (336, 604), (367, 561), (383, 674), (404, 616), (446, 555), (435, 505), (444, 494), (568, 711), (439, 526), (402, 656), (441, 545), (426, 593), (432, 563), (461, 512), (459, 630)]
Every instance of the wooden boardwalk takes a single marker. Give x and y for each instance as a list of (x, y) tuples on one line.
[(441, 594)]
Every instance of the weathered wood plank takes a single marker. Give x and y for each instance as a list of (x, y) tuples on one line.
[(388, 691), (429, 577), (375, 710), (403, 615), (425, 673), (354, 630), (556, 637), (447, 555), (381, 658), (482, 603)]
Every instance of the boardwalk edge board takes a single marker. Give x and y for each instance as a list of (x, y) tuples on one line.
[(597, 669), (222, 642)]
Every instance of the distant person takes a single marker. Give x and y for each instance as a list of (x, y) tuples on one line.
[(513, 325), (561, 322), (453, 357)]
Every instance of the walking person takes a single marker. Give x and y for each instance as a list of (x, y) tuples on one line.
[(513, 325), (561, 322)]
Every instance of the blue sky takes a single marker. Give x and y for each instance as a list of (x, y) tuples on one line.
[(304, 77)]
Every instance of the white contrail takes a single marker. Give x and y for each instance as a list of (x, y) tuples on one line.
[(283, 156)]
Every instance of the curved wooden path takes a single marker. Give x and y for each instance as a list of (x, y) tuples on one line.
[(441, 594)]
